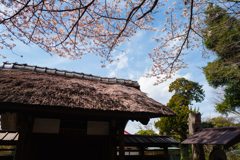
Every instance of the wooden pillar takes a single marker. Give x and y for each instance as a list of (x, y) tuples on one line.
[(24, 140), (194, 121), (141, 152), (166, 155), (121, 140), (112, 139), (9, 121)]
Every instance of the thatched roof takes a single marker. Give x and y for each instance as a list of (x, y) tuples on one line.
[(44, 89)]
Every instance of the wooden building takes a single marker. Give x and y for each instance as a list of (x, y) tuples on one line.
[(65, 115)]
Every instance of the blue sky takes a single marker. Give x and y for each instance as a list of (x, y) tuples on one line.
[(131, 65)]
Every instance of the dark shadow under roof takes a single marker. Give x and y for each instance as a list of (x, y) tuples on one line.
[(226, 136), (11, 137), (149, 141)]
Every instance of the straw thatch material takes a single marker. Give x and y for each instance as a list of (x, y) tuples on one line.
[(33, 88)]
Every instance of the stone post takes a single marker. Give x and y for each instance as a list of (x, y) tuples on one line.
[(194, 122)]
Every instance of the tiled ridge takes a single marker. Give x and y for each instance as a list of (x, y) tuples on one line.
[(18, 66)]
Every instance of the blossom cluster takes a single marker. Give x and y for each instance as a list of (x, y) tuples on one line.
[(78, 27), (72, 28)]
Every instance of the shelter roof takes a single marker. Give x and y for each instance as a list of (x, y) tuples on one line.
[(149, 141), (44, 88), (226, 136)]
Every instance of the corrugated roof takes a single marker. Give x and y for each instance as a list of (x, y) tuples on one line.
[(226, 136), (148, 141), (127, 82)]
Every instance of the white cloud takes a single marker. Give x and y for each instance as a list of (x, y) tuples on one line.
[(134, 126), (118, 65), (160, 92)]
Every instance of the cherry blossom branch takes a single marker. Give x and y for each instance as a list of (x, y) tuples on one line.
[(150, 10), (16, 13), (187, 35)]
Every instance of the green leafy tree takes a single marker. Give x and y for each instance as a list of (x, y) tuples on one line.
[(222, 36), (185, 92), (207, 125), (216, 76), (231, 101), (224, 121), (222, 33), (146, 132)]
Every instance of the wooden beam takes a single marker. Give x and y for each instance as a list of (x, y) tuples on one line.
[(21, 139), (166, 155), (141, 152), (121, 140), (24, 141), (112, 137), (9, 121)]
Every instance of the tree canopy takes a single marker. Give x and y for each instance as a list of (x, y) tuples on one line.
[(222, 33), (185, 92), (191, 91), (222, 36), (221, 121), (146, 132), (78, 27)]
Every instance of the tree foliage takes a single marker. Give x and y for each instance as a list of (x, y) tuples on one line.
[(222, 36), (221, 121), (78, 27), (146, 132), (224, 121), (191, 91), (207, 125), (185, 92), (222, 33)]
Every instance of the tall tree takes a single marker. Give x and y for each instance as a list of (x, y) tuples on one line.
[(78, 27), (185, 92), (222, 36)]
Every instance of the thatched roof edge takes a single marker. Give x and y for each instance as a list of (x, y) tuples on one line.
[(18, 66)]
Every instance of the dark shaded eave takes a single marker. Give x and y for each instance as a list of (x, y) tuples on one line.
[(11, 138), (58, 110), (226, 136)]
